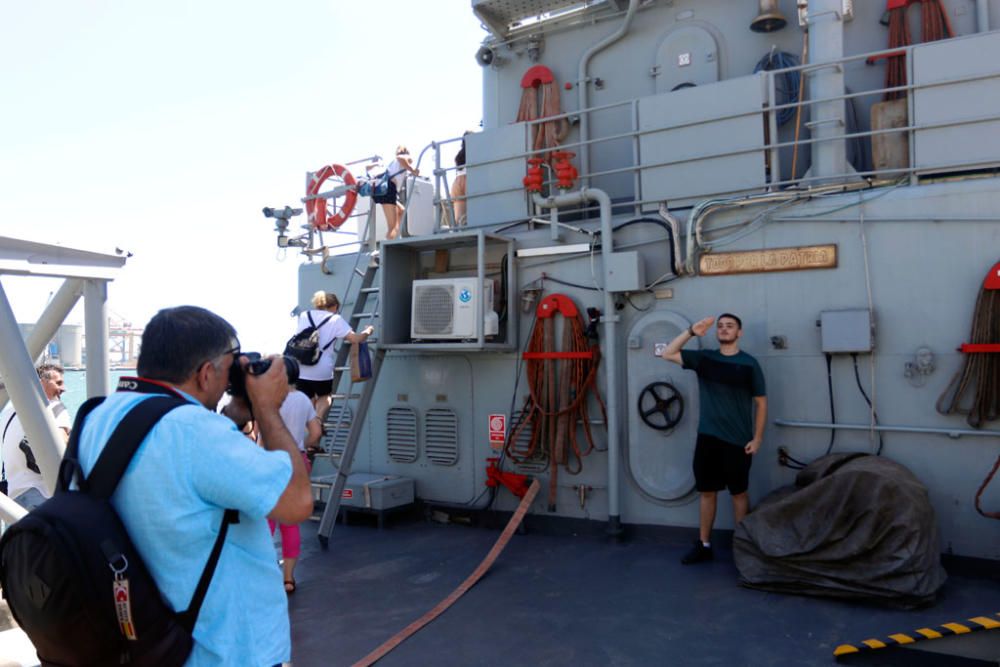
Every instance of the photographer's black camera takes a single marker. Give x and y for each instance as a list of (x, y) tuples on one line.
[(257, 366)]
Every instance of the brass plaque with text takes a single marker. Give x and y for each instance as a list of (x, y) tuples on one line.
[(775, 259)]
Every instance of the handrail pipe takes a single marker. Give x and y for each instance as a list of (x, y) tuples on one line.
[(583, 87)]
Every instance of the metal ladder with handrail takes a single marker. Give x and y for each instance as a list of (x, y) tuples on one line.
[(365, 308)]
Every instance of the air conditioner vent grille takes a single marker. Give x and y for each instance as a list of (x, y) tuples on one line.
[(433, 309)]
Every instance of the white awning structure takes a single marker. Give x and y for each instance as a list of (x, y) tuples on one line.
[(29, 258), (86, 273)]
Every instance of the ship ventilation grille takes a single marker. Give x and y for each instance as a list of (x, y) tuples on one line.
[(537, 462), (441, 436), (434, 309), (401, 434), (338, 426)]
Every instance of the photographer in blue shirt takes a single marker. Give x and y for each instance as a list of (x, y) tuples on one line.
[(193, 465)]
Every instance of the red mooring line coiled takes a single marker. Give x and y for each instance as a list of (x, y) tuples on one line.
[(559, 382)]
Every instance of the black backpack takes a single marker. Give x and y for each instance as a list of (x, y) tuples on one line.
[(72, 577), (304, 346)]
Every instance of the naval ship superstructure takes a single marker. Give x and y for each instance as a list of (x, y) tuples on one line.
[(827, 170)]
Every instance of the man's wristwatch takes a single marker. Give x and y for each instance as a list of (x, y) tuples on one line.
[(691, 331)]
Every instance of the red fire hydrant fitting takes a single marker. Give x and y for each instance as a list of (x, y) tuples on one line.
[(533, 181), (516, 484), (565, 172)]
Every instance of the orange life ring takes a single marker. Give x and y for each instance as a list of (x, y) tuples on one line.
[(319, 216)]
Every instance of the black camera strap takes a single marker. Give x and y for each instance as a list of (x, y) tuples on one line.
[(145, 386)]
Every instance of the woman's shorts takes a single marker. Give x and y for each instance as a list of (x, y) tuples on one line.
[(390, 195), (314, 388), (719, 464)]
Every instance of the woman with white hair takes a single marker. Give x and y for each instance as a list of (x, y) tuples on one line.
[(316, 381)]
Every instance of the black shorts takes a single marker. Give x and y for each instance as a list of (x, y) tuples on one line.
[(313, 388), (390, 195), (719, 465)]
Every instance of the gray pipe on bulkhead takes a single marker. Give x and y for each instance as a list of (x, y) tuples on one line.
[(583, 86), (610, 320), (48, 324), (25, 390), (983, 15)]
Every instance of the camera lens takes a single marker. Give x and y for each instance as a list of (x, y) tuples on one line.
[(257, 366)]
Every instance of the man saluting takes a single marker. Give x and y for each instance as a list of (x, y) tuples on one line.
[(731, 424)]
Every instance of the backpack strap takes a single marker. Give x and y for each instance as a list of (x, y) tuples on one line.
[(113, 462), (70, 465), (9, 422), (3, 464), (317, 328), (124, 442), (332, 340), (189, 617)]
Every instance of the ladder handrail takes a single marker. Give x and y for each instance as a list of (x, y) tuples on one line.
[(359, 311)]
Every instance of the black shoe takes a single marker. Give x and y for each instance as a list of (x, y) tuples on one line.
[(699, 554)]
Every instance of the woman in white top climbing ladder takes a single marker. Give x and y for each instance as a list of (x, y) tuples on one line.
[(396, 170), (316, 381)]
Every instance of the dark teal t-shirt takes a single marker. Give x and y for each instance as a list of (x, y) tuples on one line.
[(726, 387)]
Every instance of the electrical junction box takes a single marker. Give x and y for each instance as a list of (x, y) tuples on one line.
[(847, 331), (626, 272)]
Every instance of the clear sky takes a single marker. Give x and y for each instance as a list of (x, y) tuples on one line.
[(163, 128)]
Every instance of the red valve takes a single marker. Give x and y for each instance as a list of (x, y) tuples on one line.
[(533, 181), (565, 172), (516, 484)]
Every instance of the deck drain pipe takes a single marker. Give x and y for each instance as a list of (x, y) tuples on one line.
[(610, 320)]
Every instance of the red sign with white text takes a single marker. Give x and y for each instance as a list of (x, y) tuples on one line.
[(498, 430)]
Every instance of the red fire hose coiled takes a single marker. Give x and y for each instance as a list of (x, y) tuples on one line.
[(559, 382)]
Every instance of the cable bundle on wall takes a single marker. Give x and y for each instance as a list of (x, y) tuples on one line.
[(786, 84)]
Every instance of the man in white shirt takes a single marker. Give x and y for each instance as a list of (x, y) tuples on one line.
[(24, 479)]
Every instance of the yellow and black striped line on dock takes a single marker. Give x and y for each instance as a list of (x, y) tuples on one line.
[(901, 638)]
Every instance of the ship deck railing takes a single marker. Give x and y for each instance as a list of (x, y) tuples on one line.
[(770, 150), (347, 240)]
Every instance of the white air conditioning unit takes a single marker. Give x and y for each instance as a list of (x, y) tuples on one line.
[(446, 309)]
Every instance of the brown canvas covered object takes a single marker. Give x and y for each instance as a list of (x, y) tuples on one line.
[(854, 526)]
